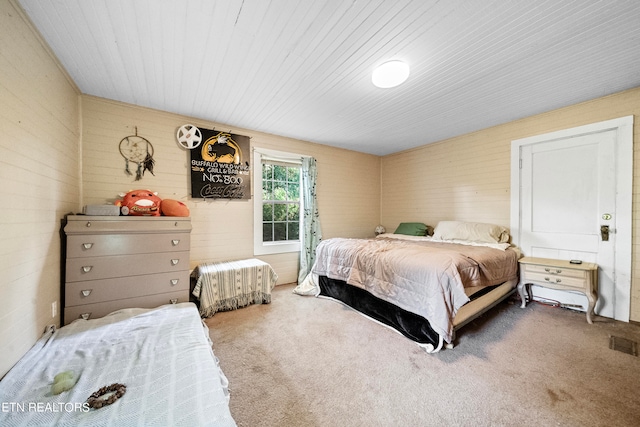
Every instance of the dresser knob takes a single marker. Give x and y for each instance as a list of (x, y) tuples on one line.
[(175, 261), (86, 292), (173, 300), (88, 223), (174, 282), (175, 242), (87, 245), (87, 268), (85, 316)]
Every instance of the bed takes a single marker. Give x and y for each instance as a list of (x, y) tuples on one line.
[(425, 287), (162, 356)]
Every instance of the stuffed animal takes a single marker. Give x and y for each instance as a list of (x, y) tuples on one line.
[(63, 381), (139, 203), (170, 207)]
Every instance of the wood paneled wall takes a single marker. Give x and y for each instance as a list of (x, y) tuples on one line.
[(348, 182), (40, 173), (468, 178)]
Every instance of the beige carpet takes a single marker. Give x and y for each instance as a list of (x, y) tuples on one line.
[(305, 361)]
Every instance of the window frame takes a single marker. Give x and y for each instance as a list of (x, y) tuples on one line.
[(277, 247)]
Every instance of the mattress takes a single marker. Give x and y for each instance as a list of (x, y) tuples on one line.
[(163, 356)]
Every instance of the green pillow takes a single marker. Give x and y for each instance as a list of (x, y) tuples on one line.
[(412, 229)]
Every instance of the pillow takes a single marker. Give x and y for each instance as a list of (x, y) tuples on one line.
[(471, 231), (412, 229)]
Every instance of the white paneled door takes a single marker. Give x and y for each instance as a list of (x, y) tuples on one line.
[(569, 207)]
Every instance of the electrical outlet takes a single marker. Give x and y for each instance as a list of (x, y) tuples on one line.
[(54, 308)]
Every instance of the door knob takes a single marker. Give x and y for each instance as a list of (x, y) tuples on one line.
[(604, 232)]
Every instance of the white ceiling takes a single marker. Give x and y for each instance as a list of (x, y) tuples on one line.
[(302, 68)]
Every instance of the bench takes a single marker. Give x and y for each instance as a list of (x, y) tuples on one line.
[(229, 285)]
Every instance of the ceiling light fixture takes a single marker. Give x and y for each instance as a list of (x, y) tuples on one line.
[(390, 74)]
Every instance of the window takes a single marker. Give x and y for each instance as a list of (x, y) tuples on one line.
[(280, 202), (277, 202)]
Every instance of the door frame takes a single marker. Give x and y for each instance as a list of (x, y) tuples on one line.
[(624, 192)]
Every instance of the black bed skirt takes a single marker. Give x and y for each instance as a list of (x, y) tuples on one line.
[(412, 326)]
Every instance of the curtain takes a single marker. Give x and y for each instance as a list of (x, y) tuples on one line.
[(311, 232)]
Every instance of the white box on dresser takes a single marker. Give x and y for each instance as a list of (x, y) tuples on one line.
[(124, 262)]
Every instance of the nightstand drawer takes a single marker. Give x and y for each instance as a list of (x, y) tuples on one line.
[(555, 271), (555, 279)]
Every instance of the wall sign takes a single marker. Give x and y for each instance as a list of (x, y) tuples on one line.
[(220, 167)]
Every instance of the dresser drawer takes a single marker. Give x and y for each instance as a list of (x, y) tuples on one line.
[(86, 224), (555, 280), (89, 245), (95, 268), (92, 311), (94, 291)]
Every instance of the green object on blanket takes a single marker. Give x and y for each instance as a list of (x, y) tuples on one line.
[(63, 381)]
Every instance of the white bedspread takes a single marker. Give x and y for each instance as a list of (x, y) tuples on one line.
[(162, 355)]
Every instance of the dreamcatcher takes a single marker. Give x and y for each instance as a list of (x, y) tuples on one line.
[(138, 150)]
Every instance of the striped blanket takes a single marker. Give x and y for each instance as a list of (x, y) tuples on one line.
[(229, 285)]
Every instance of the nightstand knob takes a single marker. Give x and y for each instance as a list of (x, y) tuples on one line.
[(175, 261), (87, 268), (174, 282), (173, 301), (175, 242), (85, 316), (87, 245), (86, 292)]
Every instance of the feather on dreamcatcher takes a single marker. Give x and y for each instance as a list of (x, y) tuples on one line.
[(138, 150)]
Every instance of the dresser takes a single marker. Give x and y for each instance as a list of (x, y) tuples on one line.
[(115, 262), (561, 275)]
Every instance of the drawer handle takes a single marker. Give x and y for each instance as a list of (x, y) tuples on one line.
[(173, 300), (548, 270), (175, 261), (87, 268), (549, 280), (86, 292), (87, 245), (175, 242), (85, 316), (88, 223), (174, 282)]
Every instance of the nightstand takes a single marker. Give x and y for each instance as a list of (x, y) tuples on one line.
[(558, 274)]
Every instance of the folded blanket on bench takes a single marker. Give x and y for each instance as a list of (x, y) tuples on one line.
[(229, 285)]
